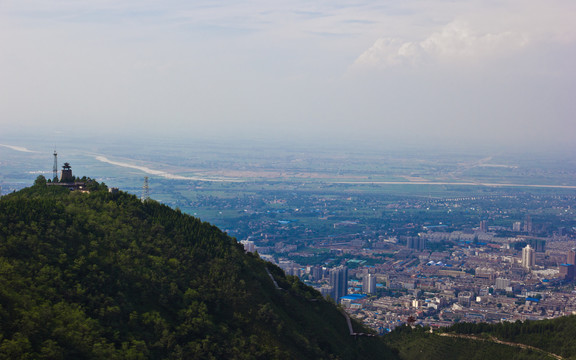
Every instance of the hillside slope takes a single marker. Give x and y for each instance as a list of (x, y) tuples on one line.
[(103, 275), (544, 339)]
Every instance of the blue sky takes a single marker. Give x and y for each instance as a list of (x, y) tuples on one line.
[(424, 71)]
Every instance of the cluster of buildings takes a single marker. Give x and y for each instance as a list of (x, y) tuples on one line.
[(473, 276), (479, 284)]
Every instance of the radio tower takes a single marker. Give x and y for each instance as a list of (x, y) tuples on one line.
[(55, 168), (145, 190)]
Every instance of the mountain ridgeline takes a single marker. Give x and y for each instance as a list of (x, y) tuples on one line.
[(92, 275)]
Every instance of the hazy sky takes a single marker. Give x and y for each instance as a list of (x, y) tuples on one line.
[(437, 71)]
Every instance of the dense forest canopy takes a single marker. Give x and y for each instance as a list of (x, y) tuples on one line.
[(101, 274)]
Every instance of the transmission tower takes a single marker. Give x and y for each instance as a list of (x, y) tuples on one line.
[(55, 168), (145, 190)]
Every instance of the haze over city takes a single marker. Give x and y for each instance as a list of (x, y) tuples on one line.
[(499, 73)]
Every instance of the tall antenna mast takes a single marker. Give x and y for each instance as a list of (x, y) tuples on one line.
[(55, 168), (145, 190)]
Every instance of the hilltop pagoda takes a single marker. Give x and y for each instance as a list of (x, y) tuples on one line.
[(66, 175), (68, 180)]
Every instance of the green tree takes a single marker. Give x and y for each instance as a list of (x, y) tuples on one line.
[(40, 181)]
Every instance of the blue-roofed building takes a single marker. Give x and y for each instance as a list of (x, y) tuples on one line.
[(353, 300)]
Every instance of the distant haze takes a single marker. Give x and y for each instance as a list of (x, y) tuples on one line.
[(422, 72)]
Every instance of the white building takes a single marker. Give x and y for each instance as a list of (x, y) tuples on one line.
[(502, 283), (369, 284), (248, 245), (528, 257)]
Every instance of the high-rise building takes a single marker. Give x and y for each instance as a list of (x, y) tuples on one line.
[(517, 226), (528, 257), (369, 284), (316, 273), (571, 258), (326, 290), (527, 224), (484, 226), (502, 283), (385, 281), (539, 245), (567, 272), (339, 282), (416, 243)]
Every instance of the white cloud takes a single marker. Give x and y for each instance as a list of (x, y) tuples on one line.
[(457, 42)]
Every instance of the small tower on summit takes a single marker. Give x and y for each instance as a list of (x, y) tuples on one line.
[(145, 190), (55, 168), (66, 175)]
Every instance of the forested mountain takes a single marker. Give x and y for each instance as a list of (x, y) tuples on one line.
[(103, 275)]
